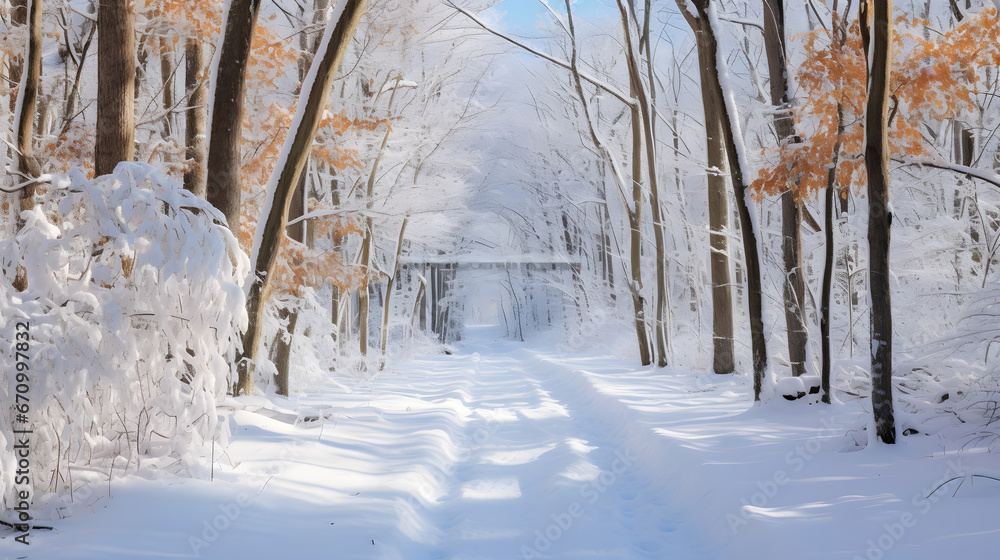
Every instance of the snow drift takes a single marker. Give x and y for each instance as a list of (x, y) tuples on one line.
[(135, 307)]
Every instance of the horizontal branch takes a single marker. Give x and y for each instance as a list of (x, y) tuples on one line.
[(991, 178)]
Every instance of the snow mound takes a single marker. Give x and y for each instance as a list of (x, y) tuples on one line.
[(134, 309)]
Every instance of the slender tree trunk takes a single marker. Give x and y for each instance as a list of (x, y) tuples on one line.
[(724, 360), (829, 262), (290, 316), (388, 292), (24, 120), (791, 213), (223, 188), (635, 210), (195, 116), (167, 70), (645, 117), (716, 110), (831, 206), (286, 177), (879, 218), (26, 107), (18, 16), (115, 85)]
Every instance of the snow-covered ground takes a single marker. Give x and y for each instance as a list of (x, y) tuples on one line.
[(509, 450)]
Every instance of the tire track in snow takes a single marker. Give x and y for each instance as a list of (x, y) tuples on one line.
[(549, 476)]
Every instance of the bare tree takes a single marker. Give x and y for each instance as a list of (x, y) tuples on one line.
[(312, 103), (722, 137), (115, 85), (879, 217), (224, 157), (791, 212)]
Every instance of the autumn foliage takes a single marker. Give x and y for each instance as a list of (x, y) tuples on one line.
[(932, 79)]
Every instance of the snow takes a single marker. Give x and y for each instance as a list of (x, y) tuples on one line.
[(508, 450)]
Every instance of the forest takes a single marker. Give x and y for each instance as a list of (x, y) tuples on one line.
[(483, 279)]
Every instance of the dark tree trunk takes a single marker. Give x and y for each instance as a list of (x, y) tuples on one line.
[(791, 213), (879, 219), (828, 262), (288, 175), (115, 85), (195, 116), (224, 155)]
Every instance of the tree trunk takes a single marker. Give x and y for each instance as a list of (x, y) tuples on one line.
[(18, 16), (645, 113), (115, 85), (831, 206), (718, 209), (635, 211), (195, 116), (879, 218), (24, 120), (791, 213), (388, 292), (828, 264), (167, 77), (27, 102), (286, 177), (718, 113), (283, 355), (223, 188)]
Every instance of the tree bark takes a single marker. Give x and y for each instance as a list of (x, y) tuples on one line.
[(286, 177), (634, 211), (718, 208), (24, 120), (167, 78), (18, 16), (879, 218), (791, 212), (645, 118), (195, 117), (223, 188), (716, 110), (115, 85)]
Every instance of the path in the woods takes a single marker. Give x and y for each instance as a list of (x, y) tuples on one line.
[(491, 453), (507, 451)]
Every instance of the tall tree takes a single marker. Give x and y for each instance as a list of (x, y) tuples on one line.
[(723, 351), (791, 212), (223, 186), (721, 121), (115, 85), (24, 119), (879, 218), (286, 176)]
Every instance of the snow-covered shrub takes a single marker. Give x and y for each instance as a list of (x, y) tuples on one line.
[(135, 308)]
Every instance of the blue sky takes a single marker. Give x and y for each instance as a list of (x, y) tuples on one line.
[(521, 15)]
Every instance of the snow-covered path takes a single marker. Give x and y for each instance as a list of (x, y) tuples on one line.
[(468, 456), (507, 451)]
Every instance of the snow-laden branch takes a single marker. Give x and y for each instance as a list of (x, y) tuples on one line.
[(620, 95), (939, 163)]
